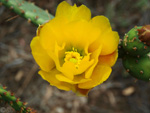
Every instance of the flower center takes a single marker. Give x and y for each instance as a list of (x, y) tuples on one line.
[(74, 57)]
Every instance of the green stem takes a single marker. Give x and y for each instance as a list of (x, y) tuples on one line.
[(13, 101), (28, 10)]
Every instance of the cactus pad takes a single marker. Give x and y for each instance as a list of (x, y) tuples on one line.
[(138, 67), (28, 10), (133, 45)]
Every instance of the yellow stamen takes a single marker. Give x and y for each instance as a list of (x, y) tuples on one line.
[(74, 57)]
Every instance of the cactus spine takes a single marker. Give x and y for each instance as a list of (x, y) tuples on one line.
[(9, 97), (28, 10)]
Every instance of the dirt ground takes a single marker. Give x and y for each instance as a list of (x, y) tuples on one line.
[(121, 93)]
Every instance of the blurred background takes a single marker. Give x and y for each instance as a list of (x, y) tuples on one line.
[(121, 93)]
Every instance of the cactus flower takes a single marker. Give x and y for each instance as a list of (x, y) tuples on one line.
[(74, 51)]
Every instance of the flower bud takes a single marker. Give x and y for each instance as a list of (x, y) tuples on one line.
[(144, 34)]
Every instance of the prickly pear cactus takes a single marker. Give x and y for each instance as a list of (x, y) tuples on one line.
[(136, 58), (133, 45)]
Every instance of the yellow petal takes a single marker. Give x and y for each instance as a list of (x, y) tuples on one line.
[(109, 60), (94, 56), (51, 78), (99, 75), (72, 13), (48, 35), (68, 69), (40, 55), (80, 33), (77, 79), (110, 41), (108, 38), (101, 22)]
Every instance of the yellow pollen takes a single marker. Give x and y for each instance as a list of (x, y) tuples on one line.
[(74, 57)]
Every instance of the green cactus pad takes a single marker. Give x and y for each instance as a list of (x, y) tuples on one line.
[(139, 68), (132, 45), (28, 10)]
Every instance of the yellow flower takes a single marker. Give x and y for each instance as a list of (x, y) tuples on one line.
[(74, 51)]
